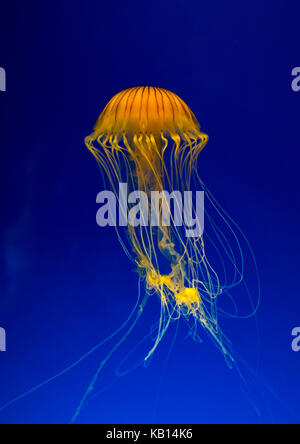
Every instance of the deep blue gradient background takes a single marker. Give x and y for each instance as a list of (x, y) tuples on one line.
[(65, 283)]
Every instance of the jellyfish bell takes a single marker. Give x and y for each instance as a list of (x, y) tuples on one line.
[(147, 111), (142, 121)]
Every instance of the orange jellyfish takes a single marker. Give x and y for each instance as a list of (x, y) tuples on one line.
[(150, 140)]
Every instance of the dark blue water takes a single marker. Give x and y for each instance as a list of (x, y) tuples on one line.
[(65, 283)]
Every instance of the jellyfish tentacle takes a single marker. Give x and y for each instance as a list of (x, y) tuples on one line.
[(105, 360)]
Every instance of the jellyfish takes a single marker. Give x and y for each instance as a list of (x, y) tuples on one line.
[(149, 139)]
